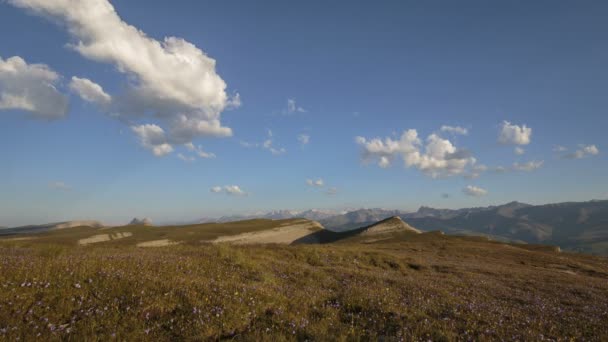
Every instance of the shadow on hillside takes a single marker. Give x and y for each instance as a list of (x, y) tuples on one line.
[(327, 236)]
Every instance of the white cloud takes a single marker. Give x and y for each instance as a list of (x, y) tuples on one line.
[(316, 183), (199, 151), (233, 190), (59, 186), (152, 137), (384, 162), (519, 151), (292, 107), (591, 150), (454, 130), (582, 152), (514, 135), (476, 171), (529, 166), (304, 139), (474, 191), (234, 102), (31, 88), (277, 151), (439, 157), (172, 79), (90, 91), (185, 158), (267, 144)]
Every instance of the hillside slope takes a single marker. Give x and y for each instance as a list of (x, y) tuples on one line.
[(419, 287), (143, 235), (31, 229), (579, 226)]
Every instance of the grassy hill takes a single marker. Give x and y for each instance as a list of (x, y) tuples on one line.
[(404, 286), (132, 235), (578, 226)]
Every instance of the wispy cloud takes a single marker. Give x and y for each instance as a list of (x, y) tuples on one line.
[(188, 159), (232, 190), (528, 166), (474, 191), (292, 107), (316, 183), (267, 144), (582, 152), (304, 139), (454, 130), (58, 185)]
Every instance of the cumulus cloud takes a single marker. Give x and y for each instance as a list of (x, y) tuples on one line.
[(292, 107), (90, 91), (152, 137), (519, 151), (31, 88), (316, 183), (582, 152), (454, 130), (170, 79), (233, 190), (304, 139), (471, 190), (437, 158), (514, 134), (528, 166)]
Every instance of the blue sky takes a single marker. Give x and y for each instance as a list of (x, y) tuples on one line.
[(347, 69)]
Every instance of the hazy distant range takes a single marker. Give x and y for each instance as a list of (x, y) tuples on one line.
[(578, 226)]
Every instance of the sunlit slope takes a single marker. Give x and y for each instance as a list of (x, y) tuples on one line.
[(149, 236)]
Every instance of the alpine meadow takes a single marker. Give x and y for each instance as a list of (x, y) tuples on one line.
[(303, 171)]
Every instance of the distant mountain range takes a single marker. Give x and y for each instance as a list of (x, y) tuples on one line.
[(579, 226), (312, 214)]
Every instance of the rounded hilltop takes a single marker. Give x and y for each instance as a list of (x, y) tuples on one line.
[(143, 222)]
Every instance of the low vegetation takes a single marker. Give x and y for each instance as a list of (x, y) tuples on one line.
[(413, 287)]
